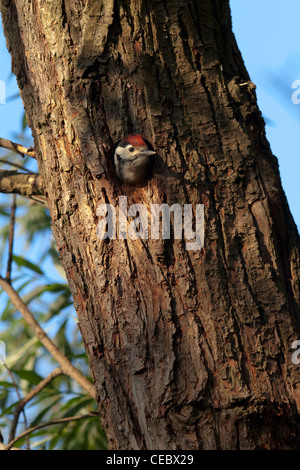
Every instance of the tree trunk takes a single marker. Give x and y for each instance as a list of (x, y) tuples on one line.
[(189, 349)]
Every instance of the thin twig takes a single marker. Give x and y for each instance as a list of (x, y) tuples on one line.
[(43, 383), (49, 423), (20, 398), (3, 447), (16, 165), (66, 365), (17, 148), (38, 199), (11, 239)]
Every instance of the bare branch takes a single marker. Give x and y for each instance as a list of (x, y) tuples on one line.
[(4, 447), (11, 239), (17, 148), (25, 184), (38, 199), (16, 165), (43, 383), (66, 365), (49, 423), (20, 398)]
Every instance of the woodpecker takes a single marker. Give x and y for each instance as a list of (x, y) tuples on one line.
[(132, 159)]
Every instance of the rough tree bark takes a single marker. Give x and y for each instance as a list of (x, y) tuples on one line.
[(188, 349)]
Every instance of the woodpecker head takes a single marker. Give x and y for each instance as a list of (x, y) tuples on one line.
[(132, 159)]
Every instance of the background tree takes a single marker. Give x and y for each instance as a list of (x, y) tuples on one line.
[(34, 393), (188, 350)]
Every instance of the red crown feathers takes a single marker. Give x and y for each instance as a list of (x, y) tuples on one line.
[(135, 140)]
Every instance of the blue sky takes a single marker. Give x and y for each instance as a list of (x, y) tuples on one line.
[(11, 111), (267, 33)]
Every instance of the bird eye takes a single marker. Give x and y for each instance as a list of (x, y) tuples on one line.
[(131, 149)]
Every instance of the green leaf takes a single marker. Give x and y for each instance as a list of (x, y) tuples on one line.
[(22, 351), (4, 211), (29, 375), (8, 311), (44, 411), (41, 441), (6, 384), (58, 287), (27, 264), (9, 409), (77, 404), (24, 122)]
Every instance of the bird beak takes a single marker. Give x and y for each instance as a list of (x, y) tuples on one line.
[(147, 153)]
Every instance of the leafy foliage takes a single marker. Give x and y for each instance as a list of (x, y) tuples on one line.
[(39, 279)]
